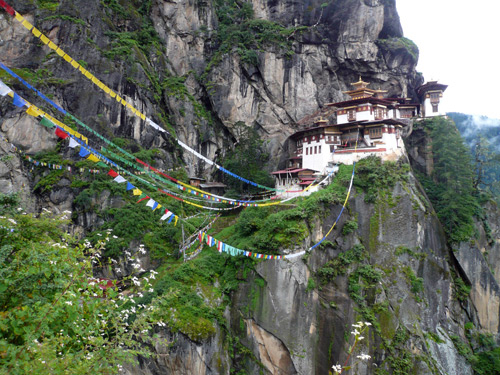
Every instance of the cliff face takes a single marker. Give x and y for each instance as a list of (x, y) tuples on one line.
[(169, 59), (320, 49)]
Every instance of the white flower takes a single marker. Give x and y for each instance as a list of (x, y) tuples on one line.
[(364, 357), (19, 209), (360, 338), (99, 234), (115, 236), (118, 270), (368, 324), (355, 332), (12, 221), (68, 303), (337, 369)]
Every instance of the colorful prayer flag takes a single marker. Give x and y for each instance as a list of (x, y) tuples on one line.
[(84, 152), (112, 173), (137, 191), (119, 179), (130, 186), (93, 158), (61, 134)]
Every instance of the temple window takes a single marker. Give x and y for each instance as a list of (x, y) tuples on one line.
[(351, 115)]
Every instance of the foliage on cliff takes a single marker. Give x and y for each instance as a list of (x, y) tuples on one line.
[(450, 188)]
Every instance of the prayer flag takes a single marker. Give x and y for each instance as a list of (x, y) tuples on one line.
[(137, 191), (154, 206), (119, 179), (175, 222), (150, 203), (112, 173), (4, 89), (33, 111), (167, 215), (61, 134), (170, 220), (18, 101), (130, 186), (47, 123), (84, 152), (93, 158)]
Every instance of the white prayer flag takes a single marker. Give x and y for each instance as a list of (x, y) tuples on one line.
[(4, 89), (73, 143), (120, 179), (150, 203)]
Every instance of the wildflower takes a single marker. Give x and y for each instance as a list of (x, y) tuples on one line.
[(360, 338), (69, 303), (115, 236), (12, 221), (337, 369), (19, 209), (355, 332), (364, 357), (368, 324), (99, 234)]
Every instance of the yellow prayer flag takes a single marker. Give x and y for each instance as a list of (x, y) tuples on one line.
[(19, 17), (106, 89), (93, 158), (112, 93), (88, 74), (33, 111), (28, 25), (36, 32), (60, 52), (137, 191), (75, 64), (124, 102), (175, 223), (52, 45), (118, 98), (157, 207), (143, 116), (44, 39), (67, 58)]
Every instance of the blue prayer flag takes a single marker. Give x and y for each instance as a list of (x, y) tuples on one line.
[(84, 152), (18, 101)]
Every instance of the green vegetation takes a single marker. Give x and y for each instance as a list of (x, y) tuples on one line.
[(54, 315), (248, 158), (450, 187), (50, 5), (399, 43), (374, 177), (268, 229), (177, 292), (238, 31)]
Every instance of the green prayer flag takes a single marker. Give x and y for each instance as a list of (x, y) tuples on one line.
[(47, 123)]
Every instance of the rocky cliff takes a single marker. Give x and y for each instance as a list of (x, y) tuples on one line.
[(201, 69)]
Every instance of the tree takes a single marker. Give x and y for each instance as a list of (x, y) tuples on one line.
[(451, 189), (247, 160)]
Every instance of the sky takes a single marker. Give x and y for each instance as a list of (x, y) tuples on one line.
[(459, 44)]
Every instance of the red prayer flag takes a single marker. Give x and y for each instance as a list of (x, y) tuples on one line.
[(112, 173), (61, 134), (7, 8), (140, 200)]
